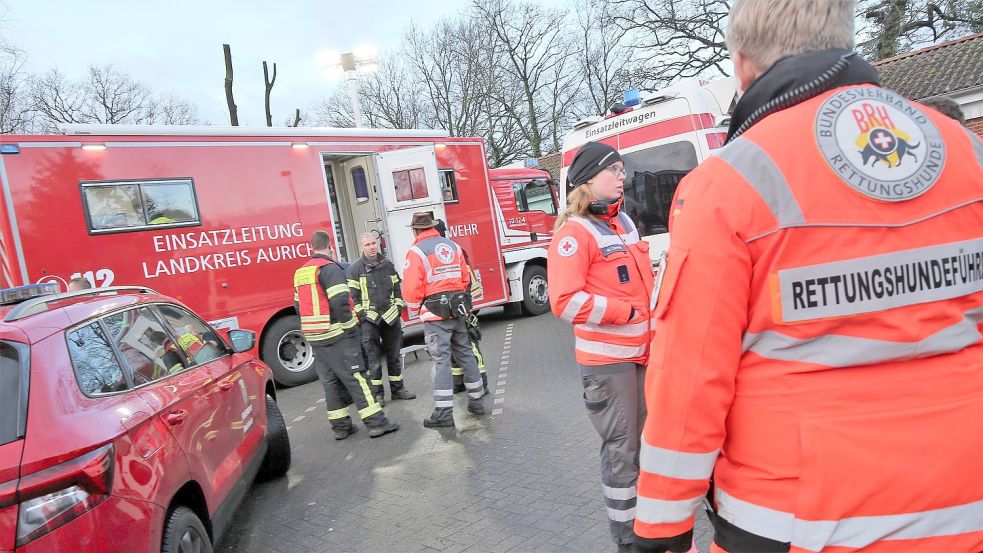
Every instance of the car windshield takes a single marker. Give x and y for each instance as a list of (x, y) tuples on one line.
[(14, 376)]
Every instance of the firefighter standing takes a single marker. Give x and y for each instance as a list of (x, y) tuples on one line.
[(436, 284), (374, 286), (329, 324), (818, 348), (474, 333), (601, 280)]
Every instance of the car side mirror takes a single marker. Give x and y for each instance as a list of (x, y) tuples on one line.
[(242, 340)]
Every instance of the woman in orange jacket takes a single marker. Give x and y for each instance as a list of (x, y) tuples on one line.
[(601, 281)]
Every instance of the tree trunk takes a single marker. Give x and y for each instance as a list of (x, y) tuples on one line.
[(233, 113), (269, 88), (296, 118)]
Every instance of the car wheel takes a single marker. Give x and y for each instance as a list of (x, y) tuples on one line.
[(536, 298), (184, 533), (277, 459), (288, 353)]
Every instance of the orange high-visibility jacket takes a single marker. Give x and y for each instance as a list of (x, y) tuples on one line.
[(598, 270), (434, 264), (819, 348), (314, 302)]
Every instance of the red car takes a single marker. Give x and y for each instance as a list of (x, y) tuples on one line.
[(127, 424)]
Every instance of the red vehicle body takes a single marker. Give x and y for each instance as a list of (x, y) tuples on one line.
[(104, 465), (221, 217)]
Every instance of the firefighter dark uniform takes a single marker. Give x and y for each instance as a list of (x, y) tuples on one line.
[(375, 290), (328, 322), (436, 283)]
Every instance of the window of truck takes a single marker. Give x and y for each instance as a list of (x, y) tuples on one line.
[(360, 185), (448, 186), (652, 176), (411, 184), (134, 205), (534, 195)]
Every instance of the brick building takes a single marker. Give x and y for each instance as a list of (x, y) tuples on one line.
[(952, 69)]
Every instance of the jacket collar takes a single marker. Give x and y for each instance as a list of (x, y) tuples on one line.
[(795, 79), (429, 233)]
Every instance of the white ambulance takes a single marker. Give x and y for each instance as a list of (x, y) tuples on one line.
[(661, 136)]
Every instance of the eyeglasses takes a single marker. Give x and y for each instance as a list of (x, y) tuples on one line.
[(616, 170)]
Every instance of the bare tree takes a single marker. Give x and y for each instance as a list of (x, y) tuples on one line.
[(16, 115), (891, 27), (106, 96), (676, 39), (606, 61), (536, 56), (233, 111), (269, 88)]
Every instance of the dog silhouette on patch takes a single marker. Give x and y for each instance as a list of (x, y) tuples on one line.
[(903, 149)]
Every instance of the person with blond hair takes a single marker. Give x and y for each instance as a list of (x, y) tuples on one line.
[(600, 280), (816, 374)]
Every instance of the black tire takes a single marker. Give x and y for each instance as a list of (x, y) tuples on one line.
[(277, 459), (535, 291), (184, 533), (287, 353)]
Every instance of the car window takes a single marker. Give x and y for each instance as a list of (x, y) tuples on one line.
[(15, 373), (147, 350), (196, 338), (96, 367)]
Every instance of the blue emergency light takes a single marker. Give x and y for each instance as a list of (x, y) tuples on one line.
[(9, 149), (22, 293), (632, 97)]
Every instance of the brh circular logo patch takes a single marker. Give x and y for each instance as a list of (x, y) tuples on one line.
[(879, 144), (567, 246), (444, 253)]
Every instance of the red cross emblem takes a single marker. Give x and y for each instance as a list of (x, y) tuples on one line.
[(568, 246)]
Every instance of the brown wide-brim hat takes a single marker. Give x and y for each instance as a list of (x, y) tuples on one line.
[(422, 221)]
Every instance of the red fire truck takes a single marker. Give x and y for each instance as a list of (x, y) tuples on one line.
[(525, 204), (661, 136), (220, 217)]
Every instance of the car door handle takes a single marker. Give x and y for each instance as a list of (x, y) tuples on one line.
[(225, 386), (176, 417)]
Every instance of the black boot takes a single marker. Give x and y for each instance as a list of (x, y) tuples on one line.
[(383, 429), (484, 381), (380, 398), (341, 433), (440, 418), (459, 384), (402, 393), (476, 406)]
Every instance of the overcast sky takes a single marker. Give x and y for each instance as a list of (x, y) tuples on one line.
[(176, 45)]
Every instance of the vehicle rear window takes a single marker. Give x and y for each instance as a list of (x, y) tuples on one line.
[(96, 367), (652, 177), (14, 379), (145, 346), (123, 206)]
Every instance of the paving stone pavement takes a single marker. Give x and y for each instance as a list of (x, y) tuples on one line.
[(523, 479)]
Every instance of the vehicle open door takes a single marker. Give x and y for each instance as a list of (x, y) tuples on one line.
[(409, 184)]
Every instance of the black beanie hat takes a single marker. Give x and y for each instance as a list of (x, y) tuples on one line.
[(589, 161)]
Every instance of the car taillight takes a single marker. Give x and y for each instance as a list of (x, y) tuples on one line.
[(57, 495)]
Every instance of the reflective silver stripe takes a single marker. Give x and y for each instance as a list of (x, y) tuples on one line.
[(609, 350), (760, 171), (454, 275), (604, 235), (574, 305), (621, 515), (882, 281), (476, 395), (444, 403), (852, 532), (423, 257), (474, 385), (676, 464), (977, 145), (834, 350), (634, 329), (597, 312), (412, 305), (619, 493), (661, 511), (443, 393)]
